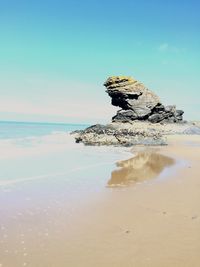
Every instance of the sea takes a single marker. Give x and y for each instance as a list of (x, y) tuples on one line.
[(31, 151), (14, 129), (48, 185)]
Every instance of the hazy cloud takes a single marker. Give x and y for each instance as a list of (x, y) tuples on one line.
[(163, 47), (166, 47)]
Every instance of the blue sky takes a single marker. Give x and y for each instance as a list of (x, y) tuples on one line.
[(55, 56)]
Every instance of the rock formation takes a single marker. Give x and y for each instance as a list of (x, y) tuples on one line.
[(119, 134), (142, 120), (138, 102)]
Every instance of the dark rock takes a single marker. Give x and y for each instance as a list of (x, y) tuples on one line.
[(125, 116), (139, 102), (114, 135), (138, 105), (128, 93), (156, 118)]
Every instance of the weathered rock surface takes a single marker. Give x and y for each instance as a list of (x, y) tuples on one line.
[(135, 133), (114, 134), (142, 120), (138, 102)]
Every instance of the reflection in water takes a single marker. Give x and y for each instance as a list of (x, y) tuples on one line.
[(145, 165)]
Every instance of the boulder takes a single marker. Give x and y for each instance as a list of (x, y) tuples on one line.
[(138, 102), (130, 94), (142, 119)]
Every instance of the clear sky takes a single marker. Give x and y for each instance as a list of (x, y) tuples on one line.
[(56, 54)]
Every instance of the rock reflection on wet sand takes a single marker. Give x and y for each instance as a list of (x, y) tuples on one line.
[(145, 165)]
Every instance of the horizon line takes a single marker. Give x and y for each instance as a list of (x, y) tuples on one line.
[(41, 122)]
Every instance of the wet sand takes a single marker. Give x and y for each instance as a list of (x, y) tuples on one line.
[(149, 218), (145, 165)]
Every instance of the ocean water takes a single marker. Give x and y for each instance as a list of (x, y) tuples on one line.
[(12, 130), (48, 183), (31, 151)]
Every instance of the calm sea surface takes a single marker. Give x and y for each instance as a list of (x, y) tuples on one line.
[(11, 130), (31, 151)]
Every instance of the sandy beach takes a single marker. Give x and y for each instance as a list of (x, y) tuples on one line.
[(99, 133), (104, 221)]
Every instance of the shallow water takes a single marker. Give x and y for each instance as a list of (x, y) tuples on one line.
[(13, 130), (47, 184), (144, 166), (45, 181)]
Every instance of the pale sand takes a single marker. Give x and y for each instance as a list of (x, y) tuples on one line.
[(151, 224)]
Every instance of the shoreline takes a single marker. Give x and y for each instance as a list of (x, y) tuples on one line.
[(81, 222), (151, 224)]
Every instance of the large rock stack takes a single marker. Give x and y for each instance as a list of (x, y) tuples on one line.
[(138, 102), (142, 120)]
